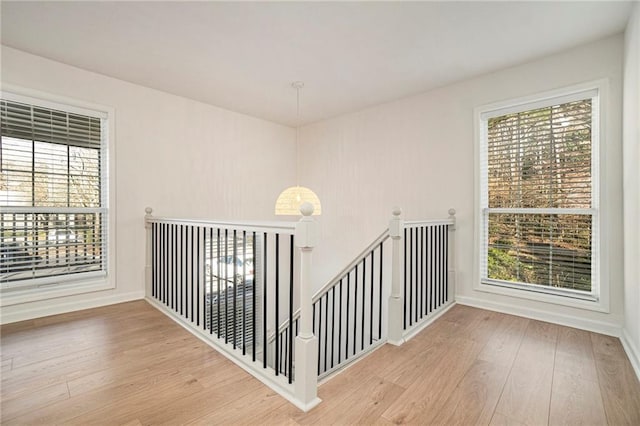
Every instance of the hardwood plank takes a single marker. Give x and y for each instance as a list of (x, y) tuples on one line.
[(503, 346), (424, 397), (500, 419), (619, 385), (575, 401), (15, 407), (574, 354), (359, 405), (527, 391), (6, 365), (148, 400), (258, 406), (191, 406), (475, 398)]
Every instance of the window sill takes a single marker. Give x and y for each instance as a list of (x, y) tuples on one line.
[(598, 305), (45, 292)]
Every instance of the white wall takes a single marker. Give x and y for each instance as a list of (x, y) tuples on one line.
[(180, 157), (631, 182), (418, 153)]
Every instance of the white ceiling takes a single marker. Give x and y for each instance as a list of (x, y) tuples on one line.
[(243, 56)]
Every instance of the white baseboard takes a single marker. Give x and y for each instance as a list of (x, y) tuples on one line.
[(17, 313), (632, 351), (560, 319)]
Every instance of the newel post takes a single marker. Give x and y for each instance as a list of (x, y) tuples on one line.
[(147, 263), (396, 304), (306, 347)]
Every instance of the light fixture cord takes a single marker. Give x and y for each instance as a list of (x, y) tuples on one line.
[(297, 127)]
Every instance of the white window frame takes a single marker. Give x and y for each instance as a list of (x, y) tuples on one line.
[(598, 300), (60, 286)]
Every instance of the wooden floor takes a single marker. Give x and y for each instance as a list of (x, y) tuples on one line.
[(129, 364)]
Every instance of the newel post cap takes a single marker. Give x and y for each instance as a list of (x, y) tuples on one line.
[(306, 233), (395, 224), (147, 216)]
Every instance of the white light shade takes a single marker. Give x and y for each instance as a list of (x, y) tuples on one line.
[(289, 201)]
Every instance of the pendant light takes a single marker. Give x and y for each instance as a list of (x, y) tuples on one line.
[(289, 200)]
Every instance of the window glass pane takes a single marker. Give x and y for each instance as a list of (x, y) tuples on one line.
[(15, 188), (544, 249), (541, 158), (84, 177), (50, 244)]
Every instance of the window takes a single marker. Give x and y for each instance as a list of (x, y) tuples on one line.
[(53, 193), (538, 195)]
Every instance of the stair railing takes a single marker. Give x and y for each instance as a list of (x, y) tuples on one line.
[(350, 316), (228, 283), (232, 285)]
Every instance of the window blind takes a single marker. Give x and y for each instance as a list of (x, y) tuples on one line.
[(53, 213), (538, 201)]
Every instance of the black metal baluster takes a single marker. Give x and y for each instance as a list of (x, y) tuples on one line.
[(244, 292), (192, 267), (290, 333), (265, 337), (433, 269), (437, 254), (169, 266), (319, 332), (226, 286), (380, 299), (418, 274), (180, 266), (219, 294), (364, 291), (171, 263), (254, 262), (404, 298), (355, 311), (210, 281), (446, 263), (346, 329), (277, 300), (198, 232), (340, 323), (153, 260), (235, 286), (371, 302), (441, 263), (333, 321), (175, 268), (423, 262), (326, 332), (429, 268), (411, 276), (164, 263), (425, 269)]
